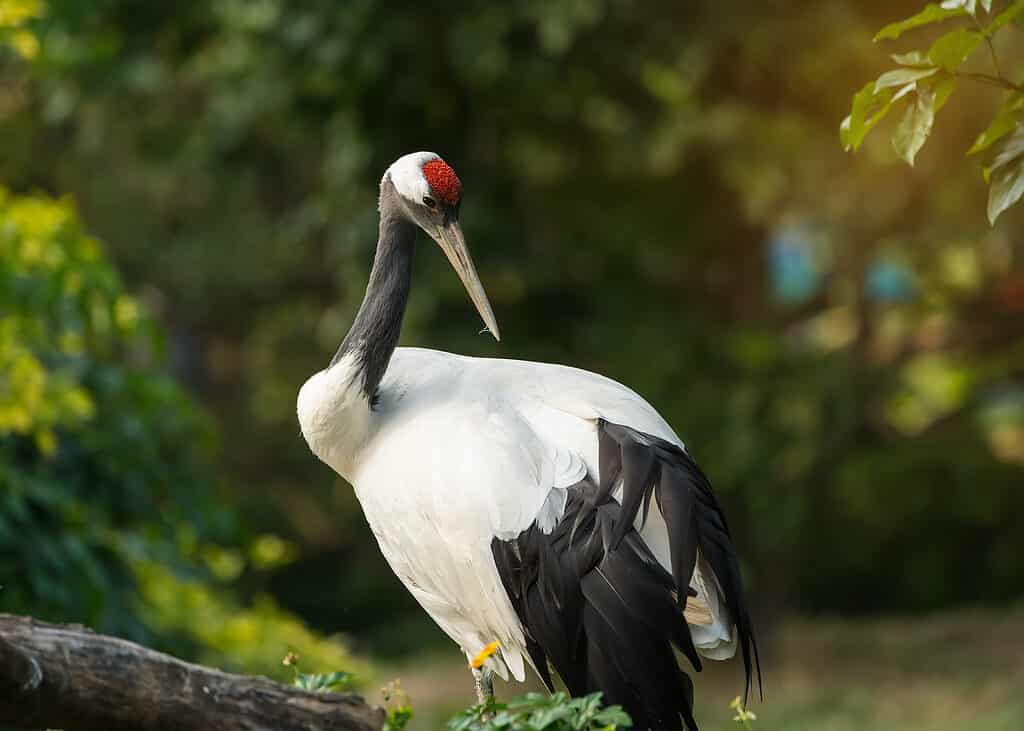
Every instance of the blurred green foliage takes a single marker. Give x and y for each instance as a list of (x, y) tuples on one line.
[(111, 511), (226, 634), (652, 191), (102, 456)]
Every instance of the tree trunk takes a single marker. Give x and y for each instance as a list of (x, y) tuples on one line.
[(69, 677)]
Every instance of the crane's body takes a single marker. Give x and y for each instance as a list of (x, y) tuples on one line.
[(544, 507), (460, 451)]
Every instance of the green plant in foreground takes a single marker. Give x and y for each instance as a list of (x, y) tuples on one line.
[(397, 706), (926, 78), (316, 682), (743, 716), (542, 712)]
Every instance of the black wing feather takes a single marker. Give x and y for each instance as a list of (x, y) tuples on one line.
[(595, 602)]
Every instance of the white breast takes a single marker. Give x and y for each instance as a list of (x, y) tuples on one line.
[(334, 415)]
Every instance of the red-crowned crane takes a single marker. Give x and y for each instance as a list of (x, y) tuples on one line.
[(539, 509)]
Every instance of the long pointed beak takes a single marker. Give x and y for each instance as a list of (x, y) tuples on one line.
[(453, 243)]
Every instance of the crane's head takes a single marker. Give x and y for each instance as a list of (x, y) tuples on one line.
[(430, 192)]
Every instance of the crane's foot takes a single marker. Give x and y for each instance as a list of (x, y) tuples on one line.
[(484, 680)]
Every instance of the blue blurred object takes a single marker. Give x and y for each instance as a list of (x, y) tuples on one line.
[(890, 281), (796, 274)]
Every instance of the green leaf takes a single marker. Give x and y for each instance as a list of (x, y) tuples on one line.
[(614, 716), (1006, 189), (931, 14), (320, 682), (913, 58), (1009, 116), (1006, 176), (943, 89), (904, 91), (868, 109), (915, 126), (1007, 16), (398, 718), (951, 50), (901, 77), (1012, 149)]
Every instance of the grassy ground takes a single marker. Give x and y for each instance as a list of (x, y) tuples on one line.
[(938, 673)]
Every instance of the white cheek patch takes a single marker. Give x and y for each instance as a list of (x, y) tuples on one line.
[(407, 175)]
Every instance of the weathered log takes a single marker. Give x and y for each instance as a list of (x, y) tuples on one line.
[(69, 677)]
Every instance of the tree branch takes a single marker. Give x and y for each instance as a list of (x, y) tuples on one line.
[(66, 676), (991, 46), (999, 81)]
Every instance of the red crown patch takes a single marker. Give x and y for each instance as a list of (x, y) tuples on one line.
[(443, 181)]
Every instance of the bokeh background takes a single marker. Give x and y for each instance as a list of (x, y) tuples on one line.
[(654, 191)]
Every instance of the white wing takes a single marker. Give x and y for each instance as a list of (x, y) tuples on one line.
[(464, 451)]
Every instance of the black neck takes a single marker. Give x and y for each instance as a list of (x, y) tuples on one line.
[(374, 334)]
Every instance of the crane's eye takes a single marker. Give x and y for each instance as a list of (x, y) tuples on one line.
[(429, 202)]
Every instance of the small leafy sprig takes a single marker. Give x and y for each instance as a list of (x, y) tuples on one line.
[(542, 712), (927, 78), (397, 706), (743, 717), (316, 682)]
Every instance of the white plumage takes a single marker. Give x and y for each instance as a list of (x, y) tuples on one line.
[(462, 450)]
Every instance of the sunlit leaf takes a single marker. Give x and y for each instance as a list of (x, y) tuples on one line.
[(915, 126), (1013, 149), (931, 14), (904, 91), (900, 77), (913, 58), (1006, 189), (952, 49), (1009, 116), (868, 109), (1006, 176), (943, 90)]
